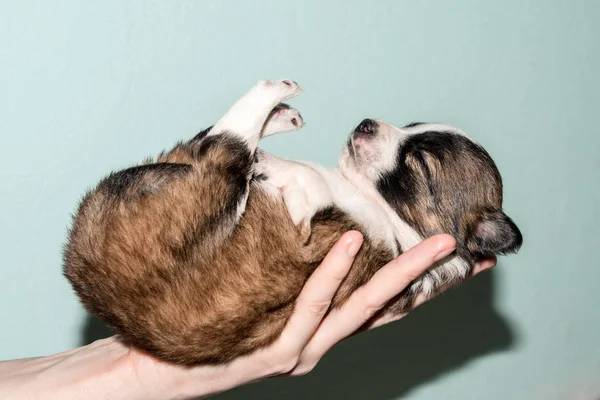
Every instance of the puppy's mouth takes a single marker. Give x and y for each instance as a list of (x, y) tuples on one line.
[(364, 131)]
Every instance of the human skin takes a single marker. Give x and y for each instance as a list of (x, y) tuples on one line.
[(108, 369)]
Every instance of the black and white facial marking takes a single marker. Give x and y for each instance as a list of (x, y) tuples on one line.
[(368, 150), (436, 179)]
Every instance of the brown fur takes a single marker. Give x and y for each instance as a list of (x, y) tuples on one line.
[(159, 253), (160, 261)]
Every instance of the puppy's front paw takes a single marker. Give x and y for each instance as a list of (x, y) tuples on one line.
[(282, 119)]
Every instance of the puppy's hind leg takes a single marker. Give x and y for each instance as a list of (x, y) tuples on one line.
[(224, 156), (247, 117), (283, 118)]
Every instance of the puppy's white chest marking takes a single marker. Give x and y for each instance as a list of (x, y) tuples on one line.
[(366, 212), (306, 188)]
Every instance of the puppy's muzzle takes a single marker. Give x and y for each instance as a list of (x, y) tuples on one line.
[(367, 127)]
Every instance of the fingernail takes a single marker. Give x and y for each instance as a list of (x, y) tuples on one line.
[(442, 254), (354, 247)]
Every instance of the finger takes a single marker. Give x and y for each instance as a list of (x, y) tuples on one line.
[(383, 320), (388, 282), (315, 298), (399, 273), (484, 264)]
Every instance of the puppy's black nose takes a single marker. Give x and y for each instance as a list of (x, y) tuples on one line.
[(367, 126)]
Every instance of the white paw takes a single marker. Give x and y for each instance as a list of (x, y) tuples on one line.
[(288, 116), (283, 119), (282, 90), (247, 117)]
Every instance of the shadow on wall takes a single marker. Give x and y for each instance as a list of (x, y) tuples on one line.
[(94, 329), (390, 361)]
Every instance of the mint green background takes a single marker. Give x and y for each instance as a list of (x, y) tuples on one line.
[(88, 86)]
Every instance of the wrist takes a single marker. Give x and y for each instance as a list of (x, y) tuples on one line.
[(98, 371)]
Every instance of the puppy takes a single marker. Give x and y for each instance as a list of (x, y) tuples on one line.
[(198, 256)]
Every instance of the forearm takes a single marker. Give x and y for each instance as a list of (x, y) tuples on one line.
[(107, 369), (98, 371)]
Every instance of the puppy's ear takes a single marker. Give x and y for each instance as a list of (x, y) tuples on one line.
[(491, 232)]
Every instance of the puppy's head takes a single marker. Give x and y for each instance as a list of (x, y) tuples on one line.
[(438, 180)]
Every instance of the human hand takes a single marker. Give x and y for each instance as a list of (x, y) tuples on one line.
[(310, 332), (108, 369)]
